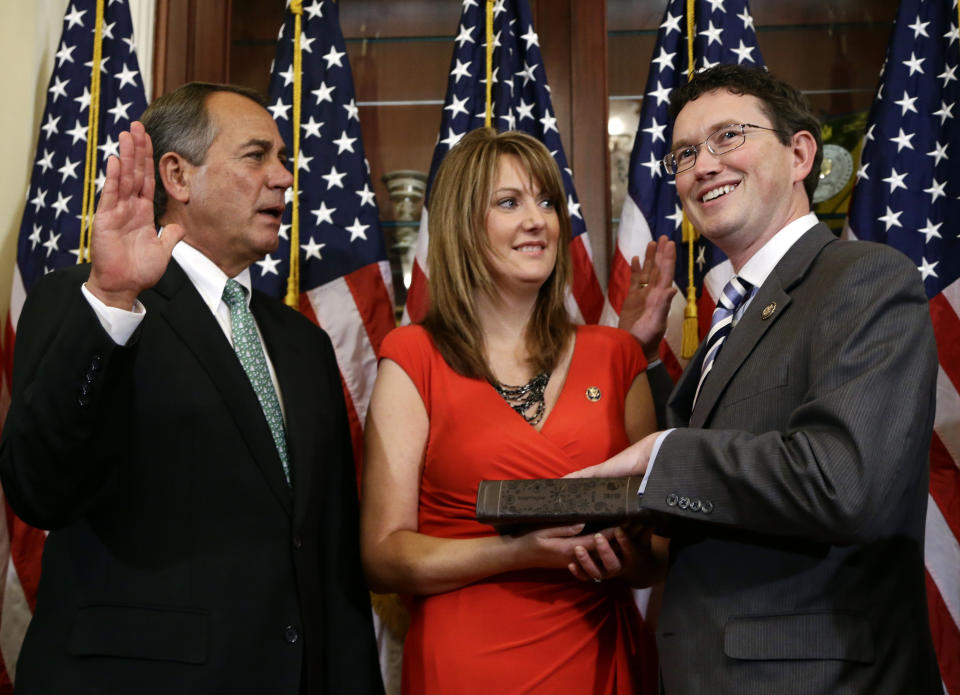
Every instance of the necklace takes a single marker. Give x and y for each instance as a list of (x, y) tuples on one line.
[(526, 398)]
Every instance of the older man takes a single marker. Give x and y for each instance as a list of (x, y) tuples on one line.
[(185, 439)]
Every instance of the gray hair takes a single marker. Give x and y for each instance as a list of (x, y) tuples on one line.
[(179, 122)]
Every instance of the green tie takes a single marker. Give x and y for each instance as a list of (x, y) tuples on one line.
[(246, 343)]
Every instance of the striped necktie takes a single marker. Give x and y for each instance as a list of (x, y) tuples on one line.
[(733, 295), (246, 343)]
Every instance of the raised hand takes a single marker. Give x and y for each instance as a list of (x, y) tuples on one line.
[(644, 311), (127, 254)]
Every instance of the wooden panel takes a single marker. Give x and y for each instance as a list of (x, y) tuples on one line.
[(588, 80), (774, 12), (841, 68), (629, 63), (401, 137), (551, 19), (573, 45), (633, 15), (192, 42), (409, 18), (211, 44), (400, 70)]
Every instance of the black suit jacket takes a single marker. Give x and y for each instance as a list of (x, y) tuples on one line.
[(797, 486), (178, 558)]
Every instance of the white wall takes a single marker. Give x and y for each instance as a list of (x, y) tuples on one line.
[(29, 33)]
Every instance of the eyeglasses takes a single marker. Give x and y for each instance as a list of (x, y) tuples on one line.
[(727, 139)]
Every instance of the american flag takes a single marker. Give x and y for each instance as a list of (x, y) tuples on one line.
[(724, 34), (906, 194), (345, 283), (50, 236), (521, 101)]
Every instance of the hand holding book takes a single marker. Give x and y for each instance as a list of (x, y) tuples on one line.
[(633, 553)]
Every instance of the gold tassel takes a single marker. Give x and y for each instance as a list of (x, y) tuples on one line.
[(392, 613), (691, 333)]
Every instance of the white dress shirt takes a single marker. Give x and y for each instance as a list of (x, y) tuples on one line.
[(755, 271), (208, 280)]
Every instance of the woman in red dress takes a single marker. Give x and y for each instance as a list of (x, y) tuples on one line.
[(498, 383)]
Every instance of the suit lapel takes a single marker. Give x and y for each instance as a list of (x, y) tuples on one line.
[(764, 311), (681, 400), (738, 346), (181, 306)]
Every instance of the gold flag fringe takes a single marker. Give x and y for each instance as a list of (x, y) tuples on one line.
[(691, 334)]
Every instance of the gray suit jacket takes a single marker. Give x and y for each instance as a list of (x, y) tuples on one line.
[(796, 489)]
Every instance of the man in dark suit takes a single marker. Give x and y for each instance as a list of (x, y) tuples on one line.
[(794, 485), (197, 544)]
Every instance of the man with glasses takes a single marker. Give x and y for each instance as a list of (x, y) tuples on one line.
[(794, 483)]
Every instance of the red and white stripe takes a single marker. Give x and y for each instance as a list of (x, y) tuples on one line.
[(942, 542), (942, 550), (21, 546), (356, 311)]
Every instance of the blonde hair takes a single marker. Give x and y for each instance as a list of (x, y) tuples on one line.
[(459, 252)]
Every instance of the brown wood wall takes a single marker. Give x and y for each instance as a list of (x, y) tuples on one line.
[(596, 56)]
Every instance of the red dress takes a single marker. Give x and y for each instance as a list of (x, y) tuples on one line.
[(534, 631)]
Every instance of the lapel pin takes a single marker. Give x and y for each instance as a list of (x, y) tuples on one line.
[(593, 394), (768, 311)]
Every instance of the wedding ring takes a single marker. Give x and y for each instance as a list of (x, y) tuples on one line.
[(598, 579), (642, 285)]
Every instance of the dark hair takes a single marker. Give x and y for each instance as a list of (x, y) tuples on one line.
[(459, 252), (179, 122), (785, 106)]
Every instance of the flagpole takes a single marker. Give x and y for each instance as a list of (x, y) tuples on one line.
[(90, 165), (488, 112), (691, 333), (292, 298)]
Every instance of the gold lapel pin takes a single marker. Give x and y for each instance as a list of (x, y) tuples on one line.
[(593, 394), (768, 311)]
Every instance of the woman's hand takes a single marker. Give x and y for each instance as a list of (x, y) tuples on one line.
[(552, 547), (634, 554)]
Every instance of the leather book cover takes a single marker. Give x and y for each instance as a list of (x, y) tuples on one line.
[(558, 501)]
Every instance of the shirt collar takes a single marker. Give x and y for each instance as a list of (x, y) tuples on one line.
[(206, 276), (761, 264)]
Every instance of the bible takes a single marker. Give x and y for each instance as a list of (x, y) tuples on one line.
[(552, 502)]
